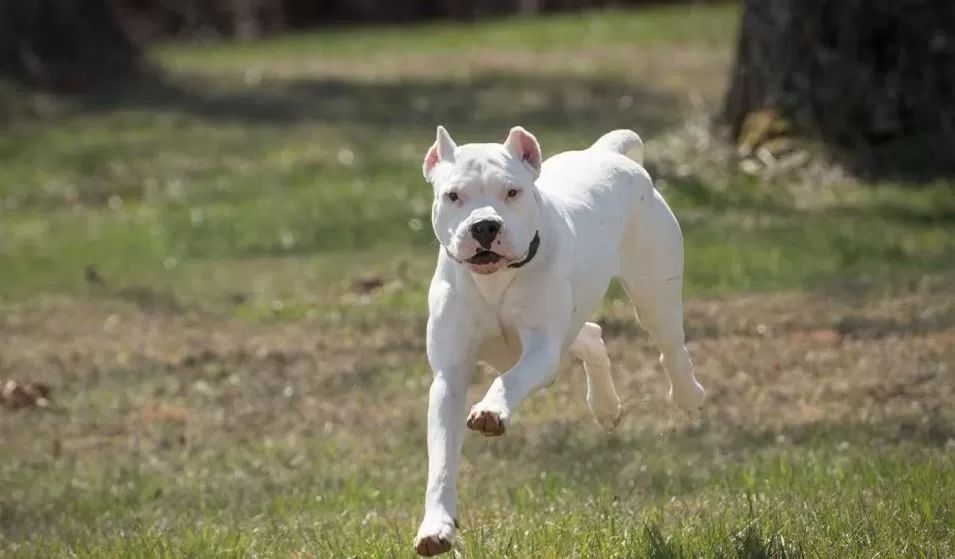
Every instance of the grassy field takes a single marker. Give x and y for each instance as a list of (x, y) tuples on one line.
[(223, 282)]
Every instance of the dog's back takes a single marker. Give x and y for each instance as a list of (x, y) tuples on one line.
[(603, 180)]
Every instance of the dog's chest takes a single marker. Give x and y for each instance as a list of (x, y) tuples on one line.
[(501, 348), (498, 310), (493, 288), (502, 343)]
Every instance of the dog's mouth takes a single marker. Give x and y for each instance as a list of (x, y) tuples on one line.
[(483, 257)]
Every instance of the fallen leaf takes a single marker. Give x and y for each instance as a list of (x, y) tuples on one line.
[(825, 336), (164, 414), (367, 283), (17, 395)]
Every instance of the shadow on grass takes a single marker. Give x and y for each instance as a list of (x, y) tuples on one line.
[(152, 132), (700, 194), (484, 104), (914, 160)]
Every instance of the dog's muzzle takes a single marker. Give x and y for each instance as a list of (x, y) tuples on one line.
[(484, 257)]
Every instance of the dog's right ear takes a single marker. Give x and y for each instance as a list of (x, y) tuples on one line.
[(442, 150)]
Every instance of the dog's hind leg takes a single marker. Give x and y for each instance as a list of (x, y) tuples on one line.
[(652, 274), (602, 396), (663, 319)]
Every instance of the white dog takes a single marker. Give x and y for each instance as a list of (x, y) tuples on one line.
[(528, 249)]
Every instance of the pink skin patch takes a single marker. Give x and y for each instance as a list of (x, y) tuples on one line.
[(529, 149), (431, 159), (485, 269)]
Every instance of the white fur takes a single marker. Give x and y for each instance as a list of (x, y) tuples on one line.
[(598, 217)]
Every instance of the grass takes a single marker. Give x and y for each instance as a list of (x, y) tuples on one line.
[(801, 502), (698, 26), (225, 437), (223, 280)]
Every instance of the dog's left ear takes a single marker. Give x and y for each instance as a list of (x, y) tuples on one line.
[(524, 146)]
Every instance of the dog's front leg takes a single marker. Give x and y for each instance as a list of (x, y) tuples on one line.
[(536, 367), (452, 360), (446, 409)]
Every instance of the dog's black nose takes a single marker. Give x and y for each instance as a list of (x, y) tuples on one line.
[(485, 231)]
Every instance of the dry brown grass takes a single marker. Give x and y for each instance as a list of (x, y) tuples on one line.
[(774, 365)]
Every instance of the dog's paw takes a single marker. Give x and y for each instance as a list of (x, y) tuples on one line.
[(487, 421), (605, 407), (688, 398), (435, 535), (607, 415)]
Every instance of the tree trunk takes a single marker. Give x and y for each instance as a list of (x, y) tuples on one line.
[(64, 44), (853, 72)]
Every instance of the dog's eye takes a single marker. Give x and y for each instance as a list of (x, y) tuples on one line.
[(452, 196), (512, 193)]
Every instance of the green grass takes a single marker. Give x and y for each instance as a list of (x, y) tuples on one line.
[(810, 500), (695, 25), (308, 159), (231, 210)]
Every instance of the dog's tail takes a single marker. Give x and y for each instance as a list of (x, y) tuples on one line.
[(624, 142)]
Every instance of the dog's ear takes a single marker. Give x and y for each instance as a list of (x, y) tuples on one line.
[(441, 150), (524, 146)]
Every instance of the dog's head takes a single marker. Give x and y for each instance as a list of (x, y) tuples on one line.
[(486, 211)]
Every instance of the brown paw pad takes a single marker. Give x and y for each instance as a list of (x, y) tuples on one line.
[(431, 546), (487, 423)]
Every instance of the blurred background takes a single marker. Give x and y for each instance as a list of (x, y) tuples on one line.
[(215, 246)]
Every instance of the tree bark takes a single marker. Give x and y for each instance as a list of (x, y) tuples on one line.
[(853, 72), (64, 44)]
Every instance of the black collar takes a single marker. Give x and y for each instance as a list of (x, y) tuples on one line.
[(531, 251)]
